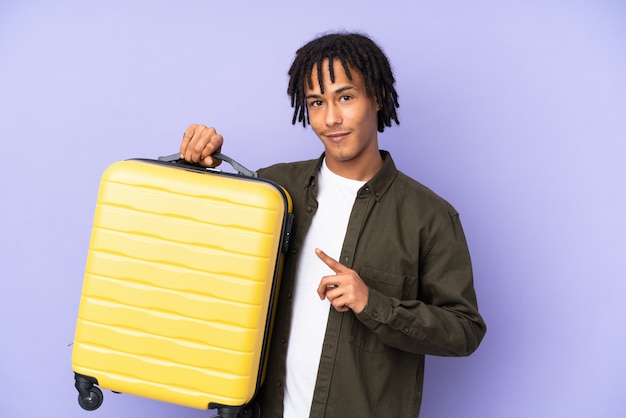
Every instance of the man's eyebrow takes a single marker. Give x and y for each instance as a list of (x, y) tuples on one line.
[(338, 91), (342, 89)]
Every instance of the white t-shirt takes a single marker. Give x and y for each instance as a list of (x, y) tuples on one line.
[(336, 196)]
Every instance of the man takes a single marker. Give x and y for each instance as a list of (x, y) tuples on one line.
[(387, 254)]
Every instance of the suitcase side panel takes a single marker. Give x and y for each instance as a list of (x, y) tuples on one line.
[(178, 283)]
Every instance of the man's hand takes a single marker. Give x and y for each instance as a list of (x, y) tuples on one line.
[(198, 145), (345, 290)]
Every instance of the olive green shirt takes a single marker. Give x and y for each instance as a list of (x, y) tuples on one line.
[(408, 246)]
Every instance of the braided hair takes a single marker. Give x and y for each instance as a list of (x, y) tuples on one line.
[(355, 51)]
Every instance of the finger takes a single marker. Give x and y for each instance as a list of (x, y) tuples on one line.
[(327, 284), (199, 143), (186, 139), (341, 308), (214, 145), (333, 264), (338, 300), (210, 161), (196, 135)]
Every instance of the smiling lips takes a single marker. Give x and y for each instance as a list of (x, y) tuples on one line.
[(336, 136)]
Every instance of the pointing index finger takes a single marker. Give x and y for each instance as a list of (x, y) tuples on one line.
[(334, 265)]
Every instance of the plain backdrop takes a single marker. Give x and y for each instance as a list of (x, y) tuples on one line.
[(514, 111)]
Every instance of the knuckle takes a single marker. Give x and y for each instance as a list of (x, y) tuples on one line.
[(198, 147)]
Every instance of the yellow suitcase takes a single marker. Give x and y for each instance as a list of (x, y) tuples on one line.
[(178, 295)]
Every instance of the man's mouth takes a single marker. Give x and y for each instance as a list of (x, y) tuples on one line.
[(336, 136)]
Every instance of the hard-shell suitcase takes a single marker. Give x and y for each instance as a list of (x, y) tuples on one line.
[(181, 276)]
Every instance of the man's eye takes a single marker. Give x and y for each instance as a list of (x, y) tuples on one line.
[(315, 103), (346, 98)]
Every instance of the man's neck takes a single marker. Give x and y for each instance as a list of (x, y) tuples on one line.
[(362, 169)]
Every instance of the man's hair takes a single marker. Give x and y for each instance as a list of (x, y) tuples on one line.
[(355, 51)]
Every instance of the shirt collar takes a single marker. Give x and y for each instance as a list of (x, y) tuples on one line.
[(378, 184)]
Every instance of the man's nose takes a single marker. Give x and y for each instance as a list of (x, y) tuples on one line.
[(333, 115)]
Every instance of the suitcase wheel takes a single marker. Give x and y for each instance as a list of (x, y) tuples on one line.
[(92, 401), (89, 396), (252, 410)]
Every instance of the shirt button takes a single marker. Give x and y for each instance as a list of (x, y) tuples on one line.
[(406, 330), (309, 209), (375, 314), (278, 384)]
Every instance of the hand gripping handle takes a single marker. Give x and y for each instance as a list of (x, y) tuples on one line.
[(240, 168)]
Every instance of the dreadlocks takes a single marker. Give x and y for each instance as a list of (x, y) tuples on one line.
[(353, 51)]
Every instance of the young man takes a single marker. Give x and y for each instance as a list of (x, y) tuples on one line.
[(378, 273)]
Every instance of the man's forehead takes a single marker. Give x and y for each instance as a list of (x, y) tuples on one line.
[(337, 65), (338, 72)]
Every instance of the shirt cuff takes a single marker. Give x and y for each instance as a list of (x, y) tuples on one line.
[(377, 311)]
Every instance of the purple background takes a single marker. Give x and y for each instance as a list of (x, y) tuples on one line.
[(515, 111)]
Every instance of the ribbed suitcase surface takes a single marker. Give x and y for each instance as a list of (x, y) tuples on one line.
[(179, 280)]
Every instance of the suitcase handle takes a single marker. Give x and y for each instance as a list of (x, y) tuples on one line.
[(240, 168)]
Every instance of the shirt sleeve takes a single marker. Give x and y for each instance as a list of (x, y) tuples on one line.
[(443, 319)]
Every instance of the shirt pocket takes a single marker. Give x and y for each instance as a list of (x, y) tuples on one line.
[(390, 284), (399, 286)]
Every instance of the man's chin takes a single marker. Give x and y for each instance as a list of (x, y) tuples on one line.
[(337, 152), (339, 157)]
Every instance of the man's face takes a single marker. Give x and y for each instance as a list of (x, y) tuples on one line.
[(345, 119)]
